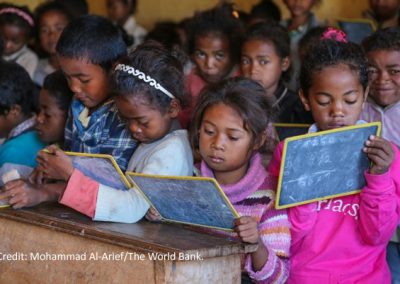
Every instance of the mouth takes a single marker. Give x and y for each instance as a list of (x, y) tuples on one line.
[(216, 159), (336, 125)]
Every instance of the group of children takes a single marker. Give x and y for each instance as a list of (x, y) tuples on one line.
[(133, 105)]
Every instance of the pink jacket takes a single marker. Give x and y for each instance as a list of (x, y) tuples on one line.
[(343, 240)]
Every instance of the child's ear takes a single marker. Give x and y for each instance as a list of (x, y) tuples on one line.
[(174, 108), (304, 100), (260, 141), (285, 63)]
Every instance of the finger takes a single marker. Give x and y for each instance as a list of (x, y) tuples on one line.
[(377, 152), (4, 195), (378, 161), (380, 143), (11, 185), (53, 149)]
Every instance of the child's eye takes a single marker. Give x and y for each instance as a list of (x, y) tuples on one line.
[(199, 54), (322, 103), (394, 71), (263, 62), (233, 138), (220, 56), (351, 102), (208, 132), (372, 70), (84, 81), (245, 61)]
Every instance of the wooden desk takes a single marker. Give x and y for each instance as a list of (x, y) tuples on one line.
[(54, 244)]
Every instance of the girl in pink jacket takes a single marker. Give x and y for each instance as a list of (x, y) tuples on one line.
[(343, 240)]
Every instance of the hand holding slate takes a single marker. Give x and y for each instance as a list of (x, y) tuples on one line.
[(246, 228), (381, 154), (152, 215), (55, 164)]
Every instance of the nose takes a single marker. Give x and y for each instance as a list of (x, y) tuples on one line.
[(383, 76), (337, 109), (218, 143), (134, 127), (40, 117), (75, 86), (209, 62)]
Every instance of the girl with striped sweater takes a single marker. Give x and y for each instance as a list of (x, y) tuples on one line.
[(229, 131)]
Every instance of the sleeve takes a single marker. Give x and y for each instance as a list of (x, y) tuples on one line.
[(170, 159), (81, 194), (379, 205), (275, 235), (126, 206)]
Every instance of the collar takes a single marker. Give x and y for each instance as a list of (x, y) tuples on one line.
[(280, 93), (314, 128), (22, 127), (251, 182), (16, 55), (378, 107)]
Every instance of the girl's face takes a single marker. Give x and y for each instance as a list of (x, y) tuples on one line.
[(14, 38), (145, 122), (50, 122), (299, 7), (117, 11), (89, 82), (335, 98), (212, 57), (260, 62), (224, 144), (384, 76), (51, 24)]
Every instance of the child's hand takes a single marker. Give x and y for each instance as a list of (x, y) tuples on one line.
[(153, 215), (20, 194), (55, 164), (247, 230), (381, 154), (36, 176)]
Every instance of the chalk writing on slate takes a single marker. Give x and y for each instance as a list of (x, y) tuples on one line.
[(101, 168), (323, 165), (286, 130), (189, 200)]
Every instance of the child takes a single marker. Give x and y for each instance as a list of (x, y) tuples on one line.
[(266, 59), (300, 21), (149, 89), (214, 45), (51, 19), (383, 52), (16, 26), (17, 107), (121, 12), (384, 13), (86, 51), (54, 101), (228, 131), (343, 239)]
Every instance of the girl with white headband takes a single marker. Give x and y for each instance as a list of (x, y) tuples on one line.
[(16, 26), (148, 87)]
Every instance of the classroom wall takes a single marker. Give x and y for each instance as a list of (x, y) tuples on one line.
[(150, 11)]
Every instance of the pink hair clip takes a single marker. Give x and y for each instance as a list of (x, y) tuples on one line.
[(334, 34), (16, 11)]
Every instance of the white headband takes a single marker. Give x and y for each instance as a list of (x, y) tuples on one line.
[(130, 70)]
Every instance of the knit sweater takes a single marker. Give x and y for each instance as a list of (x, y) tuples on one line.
[(253, 196)]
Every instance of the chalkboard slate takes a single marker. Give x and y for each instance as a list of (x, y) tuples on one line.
[(100, 167), (356, 29), (323, 165), (189, 200), (286, 130)]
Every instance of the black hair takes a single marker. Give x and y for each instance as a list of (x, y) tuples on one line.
[(94, 39), (1, 46), (51, 7), (165, 33), (311, 37), (16, 88), (155, 61), (388, 39), (76, 8), (246, 96), (266, 10), (25, 22), (57, 86), (217, 22), (326, 53)]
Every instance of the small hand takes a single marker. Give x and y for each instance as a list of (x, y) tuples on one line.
[(21, 194), (55, 164), (153, 215), (247, 229), (381, 154)]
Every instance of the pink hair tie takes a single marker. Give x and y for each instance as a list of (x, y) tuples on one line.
[(16, 11), (334, 34)]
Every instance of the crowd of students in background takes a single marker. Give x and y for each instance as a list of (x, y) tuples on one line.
[(200, 96)]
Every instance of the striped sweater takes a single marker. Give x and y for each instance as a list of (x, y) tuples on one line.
[(253, 196)]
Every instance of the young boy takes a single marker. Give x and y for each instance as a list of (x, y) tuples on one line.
[(383, 52), (86, 51)]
